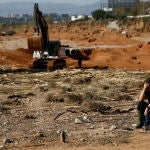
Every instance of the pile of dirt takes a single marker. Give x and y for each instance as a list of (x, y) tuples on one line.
[(20, 58), (109, 47)]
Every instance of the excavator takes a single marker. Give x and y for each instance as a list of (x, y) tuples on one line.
[(45, 50)]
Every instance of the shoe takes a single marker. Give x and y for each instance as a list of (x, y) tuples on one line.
[(139, 126)]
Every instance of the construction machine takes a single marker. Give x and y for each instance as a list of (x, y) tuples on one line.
[(45, 50)]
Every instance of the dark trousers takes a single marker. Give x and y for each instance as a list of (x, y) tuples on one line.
[(141, 108)]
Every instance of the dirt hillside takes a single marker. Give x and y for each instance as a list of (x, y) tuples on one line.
[(110, 46)]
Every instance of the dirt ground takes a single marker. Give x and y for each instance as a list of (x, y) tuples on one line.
[(109, 46), (92, 108)]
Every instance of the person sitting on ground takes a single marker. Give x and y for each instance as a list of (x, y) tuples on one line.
[(144, 101), (147, 117)]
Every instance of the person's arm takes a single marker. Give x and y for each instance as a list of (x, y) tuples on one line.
[(146, 110), (142, 95)]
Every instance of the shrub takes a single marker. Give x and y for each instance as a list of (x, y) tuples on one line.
[(53, 97), (11, 33), (74, 97)]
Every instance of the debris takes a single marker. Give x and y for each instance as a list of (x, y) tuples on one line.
[(134, 125), (63, 136), (86, 119), (112, 128), (92, 127), (7, 141), (15, 96), (78, 121), (30, 117), (1, 147), (61, 113)]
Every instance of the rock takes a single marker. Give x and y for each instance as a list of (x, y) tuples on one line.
[(15, 96), (30, 94), (148, 42), (42, 87), (114, 144), (6, 122), (128, 129), (86, 119), (58, 131), (7, 141), (92, 127), (112, 128), (1, 146), (82, 140), (63, 136), (134, 125), (78, 121), (40, 135), (92, 40), (139, 45), (30, 117)]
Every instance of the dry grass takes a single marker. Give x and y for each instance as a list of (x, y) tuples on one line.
[(106, 97), (53, 97)]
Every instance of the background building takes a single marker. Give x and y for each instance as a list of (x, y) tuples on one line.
[(122, 3), (125, 7)]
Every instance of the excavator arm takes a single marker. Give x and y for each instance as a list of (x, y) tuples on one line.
[(40, 23)]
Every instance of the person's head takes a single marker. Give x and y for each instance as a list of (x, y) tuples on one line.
[(147, 81)]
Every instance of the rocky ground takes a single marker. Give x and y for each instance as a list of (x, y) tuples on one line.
[(76, 107)]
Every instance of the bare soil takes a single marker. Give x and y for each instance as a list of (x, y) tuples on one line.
[(36, 107)]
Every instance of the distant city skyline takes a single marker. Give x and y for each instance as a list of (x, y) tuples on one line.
[(55, 1)]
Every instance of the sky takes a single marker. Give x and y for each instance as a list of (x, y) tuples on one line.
[(55, 1)]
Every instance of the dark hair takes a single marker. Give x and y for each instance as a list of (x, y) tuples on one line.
[(147, 81)]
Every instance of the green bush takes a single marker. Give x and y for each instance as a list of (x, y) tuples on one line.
[(100, 14), (103, 15)]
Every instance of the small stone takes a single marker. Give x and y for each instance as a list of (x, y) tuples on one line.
[(63, 136), (114, 144), (6, 123), (58, 132), (7, 141), (78, 121), (29, 117), (134, 125), (112, 128), (1, 146), (82, 140), (86, 119), (92, 127)]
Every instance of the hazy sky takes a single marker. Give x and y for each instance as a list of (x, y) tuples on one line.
[(55, 1)]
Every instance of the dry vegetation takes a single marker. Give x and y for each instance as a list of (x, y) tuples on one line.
[(90, 106)]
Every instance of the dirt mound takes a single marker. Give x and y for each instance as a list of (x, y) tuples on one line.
[(113, 49), (20, 58), (146, 46), (125, 58)]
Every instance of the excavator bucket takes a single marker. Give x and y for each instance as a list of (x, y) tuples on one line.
[(35, 43)]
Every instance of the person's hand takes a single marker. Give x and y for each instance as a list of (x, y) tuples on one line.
[(146, 85), (148, 106)]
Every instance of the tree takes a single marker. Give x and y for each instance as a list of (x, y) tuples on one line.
[(99, 14)]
